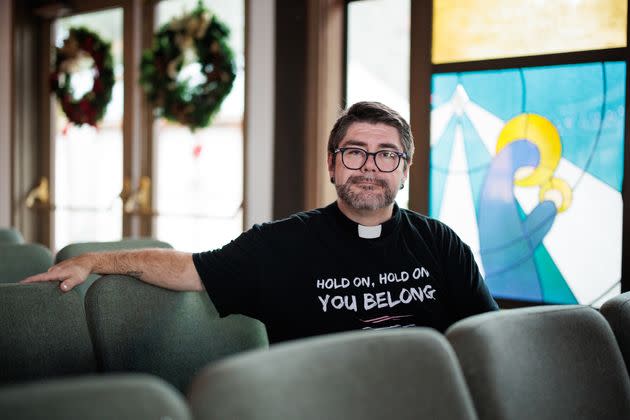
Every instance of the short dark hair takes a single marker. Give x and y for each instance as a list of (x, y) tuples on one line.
[(373, 113)]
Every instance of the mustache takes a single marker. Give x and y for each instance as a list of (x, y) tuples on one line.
[(356, 179)]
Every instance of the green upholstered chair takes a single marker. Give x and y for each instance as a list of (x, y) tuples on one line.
[(617, 312), (18, 261), (44, 333), (122, 396), (396, 374), (79, 248), (142, 328), (552, 362), (10, 236)]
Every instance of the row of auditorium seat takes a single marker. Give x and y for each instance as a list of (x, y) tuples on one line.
[(119, 348), (555, 362), (10, 236), (122, 325)]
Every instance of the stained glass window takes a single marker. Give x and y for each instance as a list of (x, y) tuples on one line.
[(482, 29), (527, 167)]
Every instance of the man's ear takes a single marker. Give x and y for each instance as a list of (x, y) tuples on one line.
[(331, 165), (406, 171)]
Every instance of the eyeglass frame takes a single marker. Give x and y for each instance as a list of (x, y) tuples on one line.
[(401, 156)]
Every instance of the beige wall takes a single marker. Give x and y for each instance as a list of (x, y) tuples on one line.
[(6, 95), (260, 111)]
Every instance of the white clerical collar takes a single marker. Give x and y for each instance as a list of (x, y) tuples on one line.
[(369, 232)]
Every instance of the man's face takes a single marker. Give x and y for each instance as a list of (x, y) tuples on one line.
[(368, 188)]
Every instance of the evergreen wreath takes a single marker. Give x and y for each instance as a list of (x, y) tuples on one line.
[(197, 37), (91, 107)]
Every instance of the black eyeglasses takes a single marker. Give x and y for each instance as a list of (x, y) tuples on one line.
[(385, 160)]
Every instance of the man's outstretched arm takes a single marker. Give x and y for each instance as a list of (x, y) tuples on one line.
[(161, 267)]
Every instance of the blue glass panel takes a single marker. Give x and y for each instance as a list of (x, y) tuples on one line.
[(544, 148), (443, 87), (482, 88), (478, 158), (439, 161)]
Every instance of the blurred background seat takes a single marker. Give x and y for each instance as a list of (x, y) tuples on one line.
[(10, 236), (542, 363), (142, 328), (402, 374), (128, 396), (79, 248), (617, 312), (44, 333), (18, 261)]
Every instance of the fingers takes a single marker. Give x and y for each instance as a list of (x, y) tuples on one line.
[(70, 273), (53, 275), (69, 283)]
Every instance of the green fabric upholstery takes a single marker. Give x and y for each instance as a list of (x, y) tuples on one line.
[(18, 261), (143, 328), (44, 333), (79, 248), (402, 374), (10, 236), (553, 362), (617, 313), (121, 396)]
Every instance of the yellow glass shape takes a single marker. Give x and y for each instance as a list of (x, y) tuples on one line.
[(553, 188), (486, 29), (540, 131)]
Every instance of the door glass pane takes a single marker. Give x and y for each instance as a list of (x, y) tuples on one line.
[(378, 57), (532, 181), (482, 29), (88, 160), (199, 176)]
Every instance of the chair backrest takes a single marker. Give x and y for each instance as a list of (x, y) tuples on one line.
[(43, 333), (542, 363), (79, 248), (18, 261), (143, 328), (128, 396), (403, 374), (617, 312), (10, 236)]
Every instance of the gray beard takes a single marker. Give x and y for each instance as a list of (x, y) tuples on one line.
[(366, 198)]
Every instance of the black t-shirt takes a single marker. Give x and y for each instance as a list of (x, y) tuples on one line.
[(312, 274)]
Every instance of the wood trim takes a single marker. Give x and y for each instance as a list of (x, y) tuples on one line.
[(46, 216), (134, 160), (31, 64), (245, 126), (53, 9), (420, 103), (146, 112), (324, 96), (625, 190), (289, 113), (612, 54)]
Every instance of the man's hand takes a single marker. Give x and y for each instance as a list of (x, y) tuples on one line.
[(70, 273), (165, 268)]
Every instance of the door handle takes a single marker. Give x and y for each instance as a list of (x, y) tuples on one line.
[(137, 201), (39, 195)]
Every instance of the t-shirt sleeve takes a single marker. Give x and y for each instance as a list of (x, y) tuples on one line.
[(471, 295), (232, 274)]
